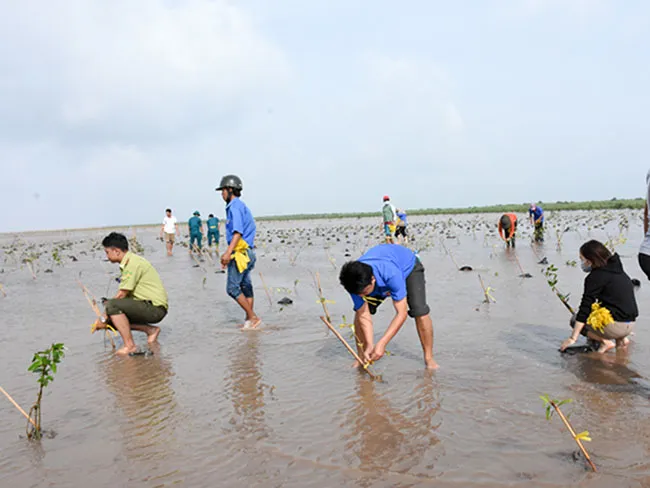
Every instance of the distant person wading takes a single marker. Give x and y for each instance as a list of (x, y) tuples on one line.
[(537, 220), (170, 230), (389, 216), (508, 228)]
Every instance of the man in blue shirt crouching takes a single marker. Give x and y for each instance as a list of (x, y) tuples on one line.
[(388, 270)]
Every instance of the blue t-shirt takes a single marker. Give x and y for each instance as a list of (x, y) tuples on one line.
[(537, 213), (240, 220), (391, 264), (195, 225), (402, 217), (213, 225)]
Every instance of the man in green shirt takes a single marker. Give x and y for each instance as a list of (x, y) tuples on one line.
[(141, 299)]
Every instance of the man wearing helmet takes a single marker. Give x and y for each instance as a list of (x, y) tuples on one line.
[(240, 257)]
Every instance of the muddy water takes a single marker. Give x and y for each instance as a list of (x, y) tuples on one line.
[(215, 406)]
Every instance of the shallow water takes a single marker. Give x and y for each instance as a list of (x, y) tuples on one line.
[(280, 406)]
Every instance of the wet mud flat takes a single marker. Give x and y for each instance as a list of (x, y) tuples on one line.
[(281, 407)]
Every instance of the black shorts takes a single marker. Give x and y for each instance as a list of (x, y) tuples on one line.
[(644, 262), (400, 230), (416, 293)]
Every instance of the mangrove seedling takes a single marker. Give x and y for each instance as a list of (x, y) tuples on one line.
[(553, 405), (44, 364), (551, 278)]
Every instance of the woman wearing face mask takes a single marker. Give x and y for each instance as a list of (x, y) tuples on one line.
[(606, 287)]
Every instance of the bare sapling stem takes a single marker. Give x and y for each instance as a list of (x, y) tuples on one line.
[(266, 289), (365, 366), (321, 297)]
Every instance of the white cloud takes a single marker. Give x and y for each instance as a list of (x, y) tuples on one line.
[(147, 66)]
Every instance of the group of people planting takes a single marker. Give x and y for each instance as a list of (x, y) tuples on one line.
[(606, 316)]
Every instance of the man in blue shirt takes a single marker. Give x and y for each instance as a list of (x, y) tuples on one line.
[(213, 231), (240, 257), (388, 270), (196, 231), (537, 219)]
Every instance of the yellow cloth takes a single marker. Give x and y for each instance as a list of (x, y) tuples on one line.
[(392, 228), (240, 255), (600, 317), (141, 279)]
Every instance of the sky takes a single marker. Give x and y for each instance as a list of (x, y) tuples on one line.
[(112, 111)]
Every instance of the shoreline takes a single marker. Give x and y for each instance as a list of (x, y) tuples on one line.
[(613, 204)]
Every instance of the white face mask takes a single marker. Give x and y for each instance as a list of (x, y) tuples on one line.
[(585, 267)]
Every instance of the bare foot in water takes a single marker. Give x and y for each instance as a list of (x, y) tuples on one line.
[(606, 346), (252, 323), (125, 351), (622, 343), (431, 364), (153, 336)]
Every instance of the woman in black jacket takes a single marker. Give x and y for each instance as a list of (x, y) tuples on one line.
[(608, 285)]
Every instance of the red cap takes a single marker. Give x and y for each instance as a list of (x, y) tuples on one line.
[(386, 198)]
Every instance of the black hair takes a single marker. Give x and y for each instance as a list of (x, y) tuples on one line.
[(169, 210), (595, 252), (210, 216), (117, 240), (355, 276), (505, 221), (236, 192)]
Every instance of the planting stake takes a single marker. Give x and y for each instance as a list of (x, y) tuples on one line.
[(17, 406), (348, 347), (266, 289), (575, 436)]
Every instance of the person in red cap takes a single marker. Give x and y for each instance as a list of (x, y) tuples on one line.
[(389, 215)]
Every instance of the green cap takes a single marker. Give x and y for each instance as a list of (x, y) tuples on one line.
[(196, 212)]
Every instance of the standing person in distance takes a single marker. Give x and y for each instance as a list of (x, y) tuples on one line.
[(196, 231), (537, 219), (170, 230), (644, 251), (213, 232), (239, 258), (389, 216)]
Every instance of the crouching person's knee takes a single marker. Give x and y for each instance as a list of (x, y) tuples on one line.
[(112, 307)]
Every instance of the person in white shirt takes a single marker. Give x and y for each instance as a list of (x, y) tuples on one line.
[(170, 229)]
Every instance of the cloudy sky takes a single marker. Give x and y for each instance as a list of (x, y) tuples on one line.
[(111, 111)]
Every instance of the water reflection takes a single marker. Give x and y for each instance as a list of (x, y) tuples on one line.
[(144, 395), (385, 439), (244, 388)]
